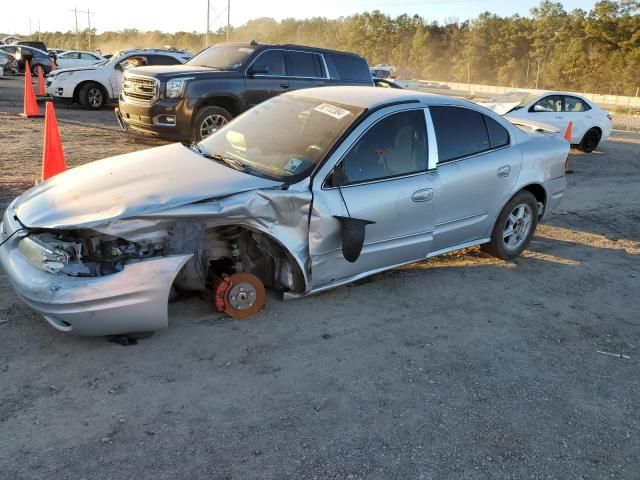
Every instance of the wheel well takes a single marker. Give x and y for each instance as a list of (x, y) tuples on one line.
[(76, 91), (538, 191), (229, 104), (236, 248)]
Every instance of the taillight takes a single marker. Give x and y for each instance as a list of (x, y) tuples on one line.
[(609, 117)]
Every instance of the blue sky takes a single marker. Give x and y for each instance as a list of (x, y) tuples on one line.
[(190, 15)]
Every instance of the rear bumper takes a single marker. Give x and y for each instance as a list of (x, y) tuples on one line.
[(133, 300), (167, 118)]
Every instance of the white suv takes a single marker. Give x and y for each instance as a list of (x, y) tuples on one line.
[(95, 85)]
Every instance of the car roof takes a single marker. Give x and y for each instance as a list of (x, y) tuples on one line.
[(372, 97)]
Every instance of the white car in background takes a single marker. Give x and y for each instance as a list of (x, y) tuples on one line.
[(591, 124), (77, 58), (96, 85)]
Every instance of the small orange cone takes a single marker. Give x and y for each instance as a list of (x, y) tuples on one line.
[(567, 137), (41, 90), (31, 109), (52, 153)]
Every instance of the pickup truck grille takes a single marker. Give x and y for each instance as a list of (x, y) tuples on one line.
[(139, 89)]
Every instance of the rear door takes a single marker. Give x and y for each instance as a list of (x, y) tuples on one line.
[(271, 80), (477, 170), (580, 113), (305, 69)]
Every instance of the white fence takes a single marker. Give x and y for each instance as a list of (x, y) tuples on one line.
[(616, 100)]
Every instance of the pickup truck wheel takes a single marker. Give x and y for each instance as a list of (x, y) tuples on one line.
[(590, 141), (92, 96), (514, 228), (208, 120)]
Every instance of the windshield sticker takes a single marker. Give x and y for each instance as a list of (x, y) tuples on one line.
[(246, 50), (292, 165), (332, 110)]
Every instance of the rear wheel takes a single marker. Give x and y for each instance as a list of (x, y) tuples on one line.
[(514, 228), (590, 140), (92, 96), (208, 120)]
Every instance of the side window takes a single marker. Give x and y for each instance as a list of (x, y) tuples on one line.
[(498, 135), (575, 104), (163, 60), (87, 56), (552, 103), (303, 64), (349, 67), (394, 146), (460, 132), (274, 61), (70, 55)]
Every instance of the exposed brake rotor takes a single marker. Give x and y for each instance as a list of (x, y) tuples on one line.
[(239, 295)]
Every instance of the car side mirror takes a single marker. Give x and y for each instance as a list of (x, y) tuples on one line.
[(353, 231), (118, 67), (258, 69)]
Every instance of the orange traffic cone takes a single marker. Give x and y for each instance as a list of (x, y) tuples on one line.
[(41, 89), (30, 104), (567, 137), (52, 153)]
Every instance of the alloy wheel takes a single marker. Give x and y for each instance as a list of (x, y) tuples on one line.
[(518, 226), (95, 97), (211, 123)]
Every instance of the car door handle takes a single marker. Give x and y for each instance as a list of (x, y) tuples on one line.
[(284, 84), (504, 171), (423, 195), (559, 117)]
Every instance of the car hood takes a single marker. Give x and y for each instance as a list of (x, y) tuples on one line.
[(165, 72), (130, 185), (500, 108)]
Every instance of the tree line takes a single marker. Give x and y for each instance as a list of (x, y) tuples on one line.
[(596, 51)]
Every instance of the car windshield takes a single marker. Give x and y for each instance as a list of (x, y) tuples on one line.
[(222, 57), (283, 138), (521, 98)]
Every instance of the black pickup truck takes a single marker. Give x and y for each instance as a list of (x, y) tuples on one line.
[(188, 102)]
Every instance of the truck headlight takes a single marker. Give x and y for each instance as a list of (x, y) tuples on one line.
[(63, 75), (42, 256), (175, 87)]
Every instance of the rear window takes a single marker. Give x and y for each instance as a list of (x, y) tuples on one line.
[(498, 135), (348, 67)]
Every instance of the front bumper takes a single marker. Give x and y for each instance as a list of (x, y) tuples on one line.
[(168, 118), (59, 89), (133, 300)]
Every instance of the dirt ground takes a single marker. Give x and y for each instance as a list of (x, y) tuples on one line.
[(461, 367)]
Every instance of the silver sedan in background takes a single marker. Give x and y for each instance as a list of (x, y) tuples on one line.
[(305, 192)]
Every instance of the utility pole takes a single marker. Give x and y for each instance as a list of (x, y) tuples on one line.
[(228, 17), (89, 22), (469, 78), (206, 38), (75, 12), (538, 74), (526, 79)]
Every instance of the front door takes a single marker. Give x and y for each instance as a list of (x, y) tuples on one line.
[(549, 110), (387, 181), (266, 77)]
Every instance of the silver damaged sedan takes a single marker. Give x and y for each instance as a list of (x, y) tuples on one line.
[(305, 192)]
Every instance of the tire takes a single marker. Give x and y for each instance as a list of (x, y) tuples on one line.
[(92, 96), (520, 216), (590, 140), (209, 119)]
